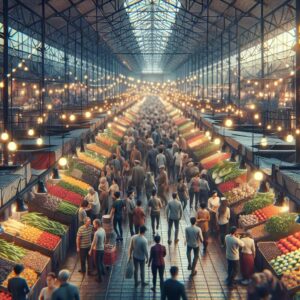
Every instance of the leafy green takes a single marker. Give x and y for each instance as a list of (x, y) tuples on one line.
[(260, 200), (282, 224)]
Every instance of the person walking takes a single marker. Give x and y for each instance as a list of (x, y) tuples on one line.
[(135, 155), (138, 178), (155, 206), (98, 247), (138, 216), (174, 213), (117, 214), (182, 192), (203, 218), (223, 217), (193, 237), (157, 262), (161, 158), (247, 258), (47, 292), (233, 245), (204, 189), (17, 285), (82, 215), (151, 159), (103, 189), (83, 244), (130, 205), (139, 251), (178, 163), (172, 288), (162, 185), (149, 185), (170, 162), (194, 190), (66, 290)]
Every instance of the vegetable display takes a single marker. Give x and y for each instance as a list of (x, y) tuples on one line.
[(267, 212), (77, 185), (11, 252), (286, 262), (64, 194), (259, 232), (48, 240), (291, 243), (47, 201), (259, 201), (243, 191), (6, 268), (101, 151), (67, 208), (247, 220), (43, 223), (72, 188), (28, 274), (90, 160), (210, 161), (281, 225), (207, 150)]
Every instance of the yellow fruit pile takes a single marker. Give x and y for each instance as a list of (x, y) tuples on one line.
[(28, 274), (99, 150), (291, 278), (76, 182), (31, 234)]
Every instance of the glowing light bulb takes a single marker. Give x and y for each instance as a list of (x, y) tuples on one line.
[(258, 176), (62, 161), (256, 116), (279, 128), (12, 146), (4, 136), (207, 134), (269, 127), (88, 114), (39, 141), (228, 123), (31, 132), (72, 117), (217, 141), (289, 138), (49, 106), (264, 142)]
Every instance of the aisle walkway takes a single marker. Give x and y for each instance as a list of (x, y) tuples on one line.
[(207, 284)]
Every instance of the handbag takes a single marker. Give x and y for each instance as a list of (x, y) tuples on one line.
[(129, 269)]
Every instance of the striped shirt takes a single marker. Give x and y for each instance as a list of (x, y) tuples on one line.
[(85, 235)]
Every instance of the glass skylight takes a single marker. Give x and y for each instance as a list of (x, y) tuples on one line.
[(152, 22)]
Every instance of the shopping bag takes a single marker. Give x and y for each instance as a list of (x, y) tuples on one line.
[(129, 269)]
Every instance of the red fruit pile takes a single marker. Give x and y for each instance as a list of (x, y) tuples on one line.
[(267, 212), (227, 186), (48, 240), (5, 296), (291, 243), (64, 194)]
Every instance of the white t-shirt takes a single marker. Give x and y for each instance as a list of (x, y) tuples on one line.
[(178, 158)]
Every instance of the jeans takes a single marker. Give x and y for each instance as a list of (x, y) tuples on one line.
[(233, 269), (170, 225), (118, 222), (148, 195), (171, 175), (160, 270), (203, 196), (195, 259), (176, 172), (193, 194), (155, 217), (84, 257), (152, 168), (139, 263), (223, 232), (99, 263), (137, 229), (138, 192), (130, 221)]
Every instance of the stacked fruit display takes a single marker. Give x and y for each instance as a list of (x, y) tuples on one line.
[(242, 192), (291, 243), (186, 127), (31, 234), (106, 141), (267, 212), (210, 161), (291, 278), (197, 142), (65, 194), (74, 185), (179, 120), (285, 262), (5, 296), (28, 274), (247, 220)]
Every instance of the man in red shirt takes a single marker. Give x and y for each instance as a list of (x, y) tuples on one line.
[(157, 254), (138, 216)]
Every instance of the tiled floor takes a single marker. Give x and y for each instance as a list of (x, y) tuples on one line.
[(207, 284)]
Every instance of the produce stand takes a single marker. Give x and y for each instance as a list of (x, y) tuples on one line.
[(266, 252)]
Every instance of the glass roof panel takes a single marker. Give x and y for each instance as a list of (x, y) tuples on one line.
[(152, 22)]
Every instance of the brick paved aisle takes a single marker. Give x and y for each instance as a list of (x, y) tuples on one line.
[(207, 284)]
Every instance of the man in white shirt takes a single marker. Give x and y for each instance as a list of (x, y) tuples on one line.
[(98, 246), (93, 199), (178, 160), (233, 245)]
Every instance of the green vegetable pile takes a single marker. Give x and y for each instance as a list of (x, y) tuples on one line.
[(95, 156), (206, 150), (226, 171), (259, 201), (43, 223), (11, 252), (67, 208), (71, 187), (283, 224)]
